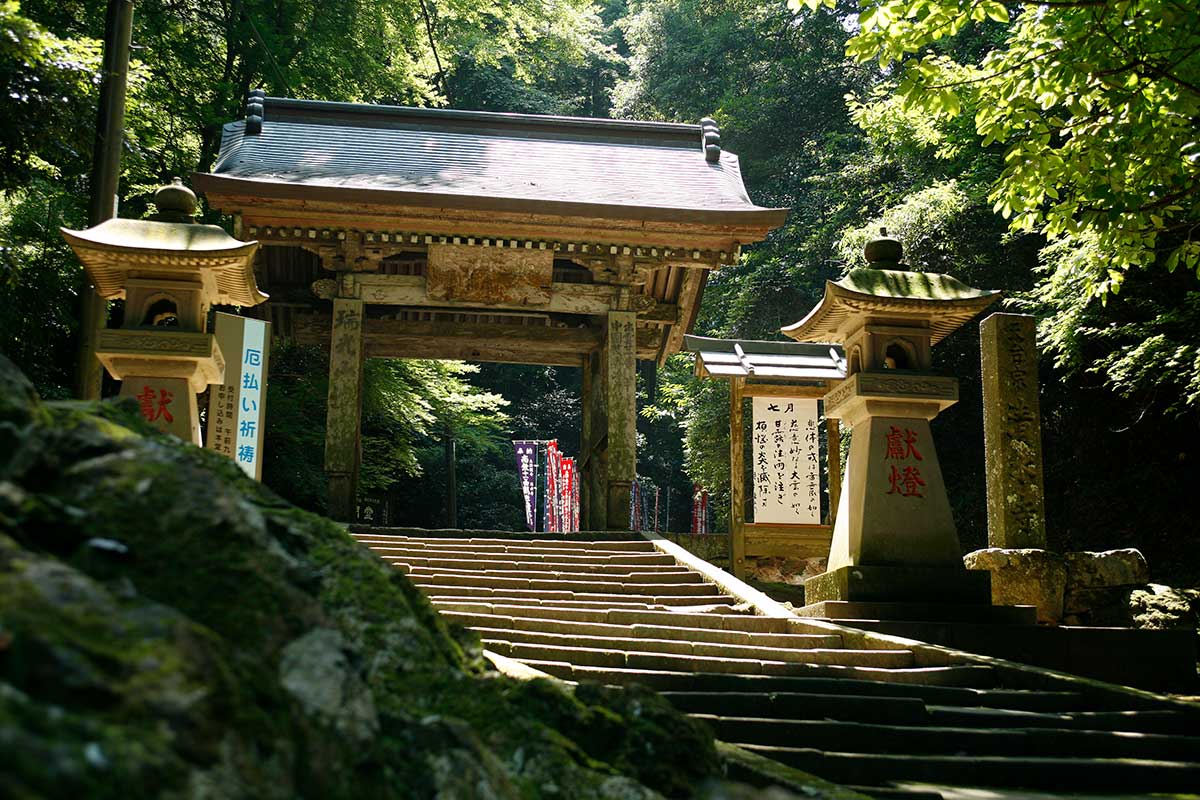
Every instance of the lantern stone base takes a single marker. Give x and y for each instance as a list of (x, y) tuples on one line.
[(168, 404), (903, 583), (162, 353), (894, 539), (859, 613)]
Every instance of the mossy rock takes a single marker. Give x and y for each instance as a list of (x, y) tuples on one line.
[(171, 628)]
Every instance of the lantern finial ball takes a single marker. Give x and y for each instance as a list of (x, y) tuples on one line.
[(884, 251), (175, 203)]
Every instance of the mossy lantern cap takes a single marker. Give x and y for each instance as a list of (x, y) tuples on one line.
[(881, 291), (168, 246)]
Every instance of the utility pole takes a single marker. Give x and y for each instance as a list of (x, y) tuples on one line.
[(106, 171)]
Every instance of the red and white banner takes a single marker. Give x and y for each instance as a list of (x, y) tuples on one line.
[(572, 495), (553, 479)]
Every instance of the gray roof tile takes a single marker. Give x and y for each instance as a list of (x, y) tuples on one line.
[(644, 168)]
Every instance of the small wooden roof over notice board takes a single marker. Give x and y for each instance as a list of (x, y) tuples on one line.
[(777, 361), (772, 369)]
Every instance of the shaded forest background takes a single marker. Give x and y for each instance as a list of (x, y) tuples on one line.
[(827, 135)]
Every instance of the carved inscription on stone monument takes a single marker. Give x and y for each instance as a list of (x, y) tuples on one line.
[(1012, 432)]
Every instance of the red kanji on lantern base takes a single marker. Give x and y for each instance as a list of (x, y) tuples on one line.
[(902, 444), (906, 482), (166, 403), (154, 404)]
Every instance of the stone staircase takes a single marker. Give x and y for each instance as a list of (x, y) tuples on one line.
[(891, 717)]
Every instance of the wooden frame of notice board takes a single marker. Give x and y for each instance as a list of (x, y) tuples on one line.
[(752, 539)]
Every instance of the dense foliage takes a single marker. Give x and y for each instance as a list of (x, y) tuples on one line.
[(1044, 149)]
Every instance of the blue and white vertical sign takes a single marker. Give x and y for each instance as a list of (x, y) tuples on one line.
[(250, 397), (237, 408)]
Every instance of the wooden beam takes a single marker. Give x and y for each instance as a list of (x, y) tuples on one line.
[(689, 292), (587, 385), (790, 541), (344, 410), (737, 482), (514, 344), (594, 299), (581, 339), (785, 390), (471, 351), (305, 214), (660, 314), (620, 388)]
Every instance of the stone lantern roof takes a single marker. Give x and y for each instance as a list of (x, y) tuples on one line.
[(168, 246), (884, 291)]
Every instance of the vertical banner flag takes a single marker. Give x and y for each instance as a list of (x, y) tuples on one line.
[(574, 494), (787, 477), (237, 408), (552, 486), (527, 455), (567, 492), (564, 493)]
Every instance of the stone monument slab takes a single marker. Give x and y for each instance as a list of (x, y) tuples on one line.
[(1012, 432)]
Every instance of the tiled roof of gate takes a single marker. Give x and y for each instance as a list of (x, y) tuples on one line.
[(463, 159)]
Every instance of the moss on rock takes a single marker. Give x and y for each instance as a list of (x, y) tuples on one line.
[(170, 628)]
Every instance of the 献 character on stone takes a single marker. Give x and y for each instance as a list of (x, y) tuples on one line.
[(902, 444), (150, 410)]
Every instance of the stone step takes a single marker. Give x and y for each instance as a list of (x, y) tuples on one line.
[(526, 558), (515, 545), (802, 655), (549, 625), (866, 611), (1137, 776), (1164, 721), (963, 696), (441, 590), (599, 578), (509, 564), (663, 679), (898, 792), (436, 534), (847, 736), (634, 659), (728, 620), (794, 706), (488, 581), (577, 608)]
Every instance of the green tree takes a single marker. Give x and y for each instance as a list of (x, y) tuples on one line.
[(1092, 106), (775, 80), (407, 405)]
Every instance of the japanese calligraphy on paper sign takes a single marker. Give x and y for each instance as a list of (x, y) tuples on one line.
[(787, 477)]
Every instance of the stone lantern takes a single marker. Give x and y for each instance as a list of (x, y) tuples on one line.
[(170, 271), (894, 537)]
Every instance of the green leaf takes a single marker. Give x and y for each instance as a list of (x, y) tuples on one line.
[(995, 10)]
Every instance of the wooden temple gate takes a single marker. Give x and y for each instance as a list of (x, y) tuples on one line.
[(424, 233)]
